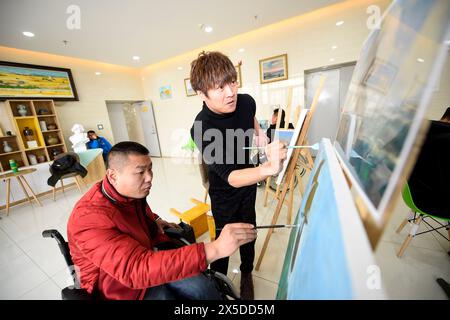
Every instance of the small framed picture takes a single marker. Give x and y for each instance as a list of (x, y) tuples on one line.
[(187, 86), (165, 92), (239, 76), (273, 69)]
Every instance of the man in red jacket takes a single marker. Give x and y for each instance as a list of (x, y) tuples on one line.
[(112, 233)]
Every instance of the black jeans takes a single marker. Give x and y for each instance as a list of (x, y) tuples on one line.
[(225, 212)]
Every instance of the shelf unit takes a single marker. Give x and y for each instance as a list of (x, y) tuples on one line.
[(40, 114), (16, 153)]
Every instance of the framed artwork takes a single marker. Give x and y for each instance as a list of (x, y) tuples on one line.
[(165, 92), (239, 75), (273, 69), (28, 81), (380, 75), (388, 96), (187, 86)]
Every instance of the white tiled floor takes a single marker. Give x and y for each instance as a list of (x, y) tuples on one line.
[(32, 267)]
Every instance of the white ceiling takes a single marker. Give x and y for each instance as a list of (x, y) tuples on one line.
[(115, 30)]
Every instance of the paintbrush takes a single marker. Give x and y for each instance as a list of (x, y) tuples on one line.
[(314, 147)]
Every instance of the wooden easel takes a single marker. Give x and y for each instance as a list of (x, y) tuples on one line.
[(291, 169), (307, 164), (268, 189)]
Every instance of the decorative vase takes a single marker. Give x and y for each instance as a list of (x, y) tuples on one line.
[(41, 158), (51, 140), (28, 133), (6, 147), (22, 110), (51, 126)]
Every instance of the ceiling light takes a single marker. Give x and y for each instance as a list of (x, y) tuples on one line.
[(333, 47), (420, 60), (98, 73), (241, 50), (28, 34), (180, 68), (339, 23), (208, 29), (332, 59), (136, 58)]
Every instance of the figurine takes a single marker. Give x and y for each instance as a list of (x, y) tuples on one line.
[(79, 138)]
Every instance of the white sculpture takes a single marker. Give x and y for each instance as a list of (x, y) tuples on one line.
[(79, 138)]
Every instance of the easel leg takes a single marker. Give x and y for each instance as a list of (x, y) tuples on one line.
[(274, 220), (291, 200), (24, 190), (266, 191)]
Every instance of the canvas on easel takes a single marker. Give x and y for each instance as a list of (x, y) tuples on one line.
[(390, 89), (291, 166), (329, 254)]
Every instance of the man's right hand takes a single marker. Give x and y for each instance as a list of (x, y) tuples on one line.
[(276, 153), (232, 236)]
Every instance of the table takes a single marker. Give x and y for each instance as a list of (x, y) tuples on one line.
[(20, 177), (92, 160)]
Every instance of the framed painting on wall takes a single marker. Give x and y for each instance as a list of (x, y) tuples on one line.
[(165, 92), (28, 81), (273, 69), (188, 87)]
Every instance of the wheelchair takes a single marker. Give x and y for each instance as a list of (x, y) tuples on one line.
[(74, 292)]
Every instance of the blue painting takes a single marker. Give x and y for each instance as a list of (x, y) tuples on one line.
[(320, 260)]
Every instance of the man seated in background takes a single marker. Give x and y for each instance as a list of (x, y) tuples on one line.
[(96, 141), (112, 234)]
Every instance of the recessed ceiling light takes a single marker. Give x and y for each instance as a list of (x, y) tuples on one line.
[(340, 23), (208, 29), (180, 68), (334, 47), (241, 50), (420, 60), (332, 59), (28, 34), (98, 73), (136, 58)]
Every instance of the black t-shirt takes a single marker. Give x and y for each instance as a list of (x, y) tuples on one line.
[(221, 139)]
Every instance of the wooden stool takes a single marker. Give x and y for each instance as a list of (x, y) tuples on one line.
[(195, 217), (20, 177)]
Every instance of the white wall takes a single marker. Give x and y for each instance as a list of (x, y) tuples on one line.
[(115, 83), (306, 39), (440, 100)]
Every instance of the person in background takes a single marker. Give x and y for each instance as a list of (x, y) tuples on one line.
[(96, 141), (271, 130)]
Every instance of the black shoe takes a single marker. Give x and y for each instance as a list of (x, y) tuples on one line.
[(247, 291)]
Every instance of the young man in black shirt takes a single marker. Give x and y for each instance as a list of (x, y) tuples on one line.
[(223, 127)]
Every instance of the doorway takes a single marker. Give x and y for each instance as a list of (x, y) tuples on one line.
[(134, 121)]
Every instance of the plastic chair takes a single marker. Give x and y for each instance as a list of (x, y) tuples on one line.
[(68, 175), (416, 217)]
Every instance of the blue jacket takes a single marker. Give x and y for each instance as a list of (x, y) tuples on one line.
[(102, 143)]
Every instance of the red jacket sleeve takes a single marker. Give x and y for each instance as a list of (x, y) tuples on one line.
[(126, 260)]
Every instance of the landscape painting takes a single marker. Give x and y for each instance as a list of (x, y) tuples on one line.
[(24, 81)]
